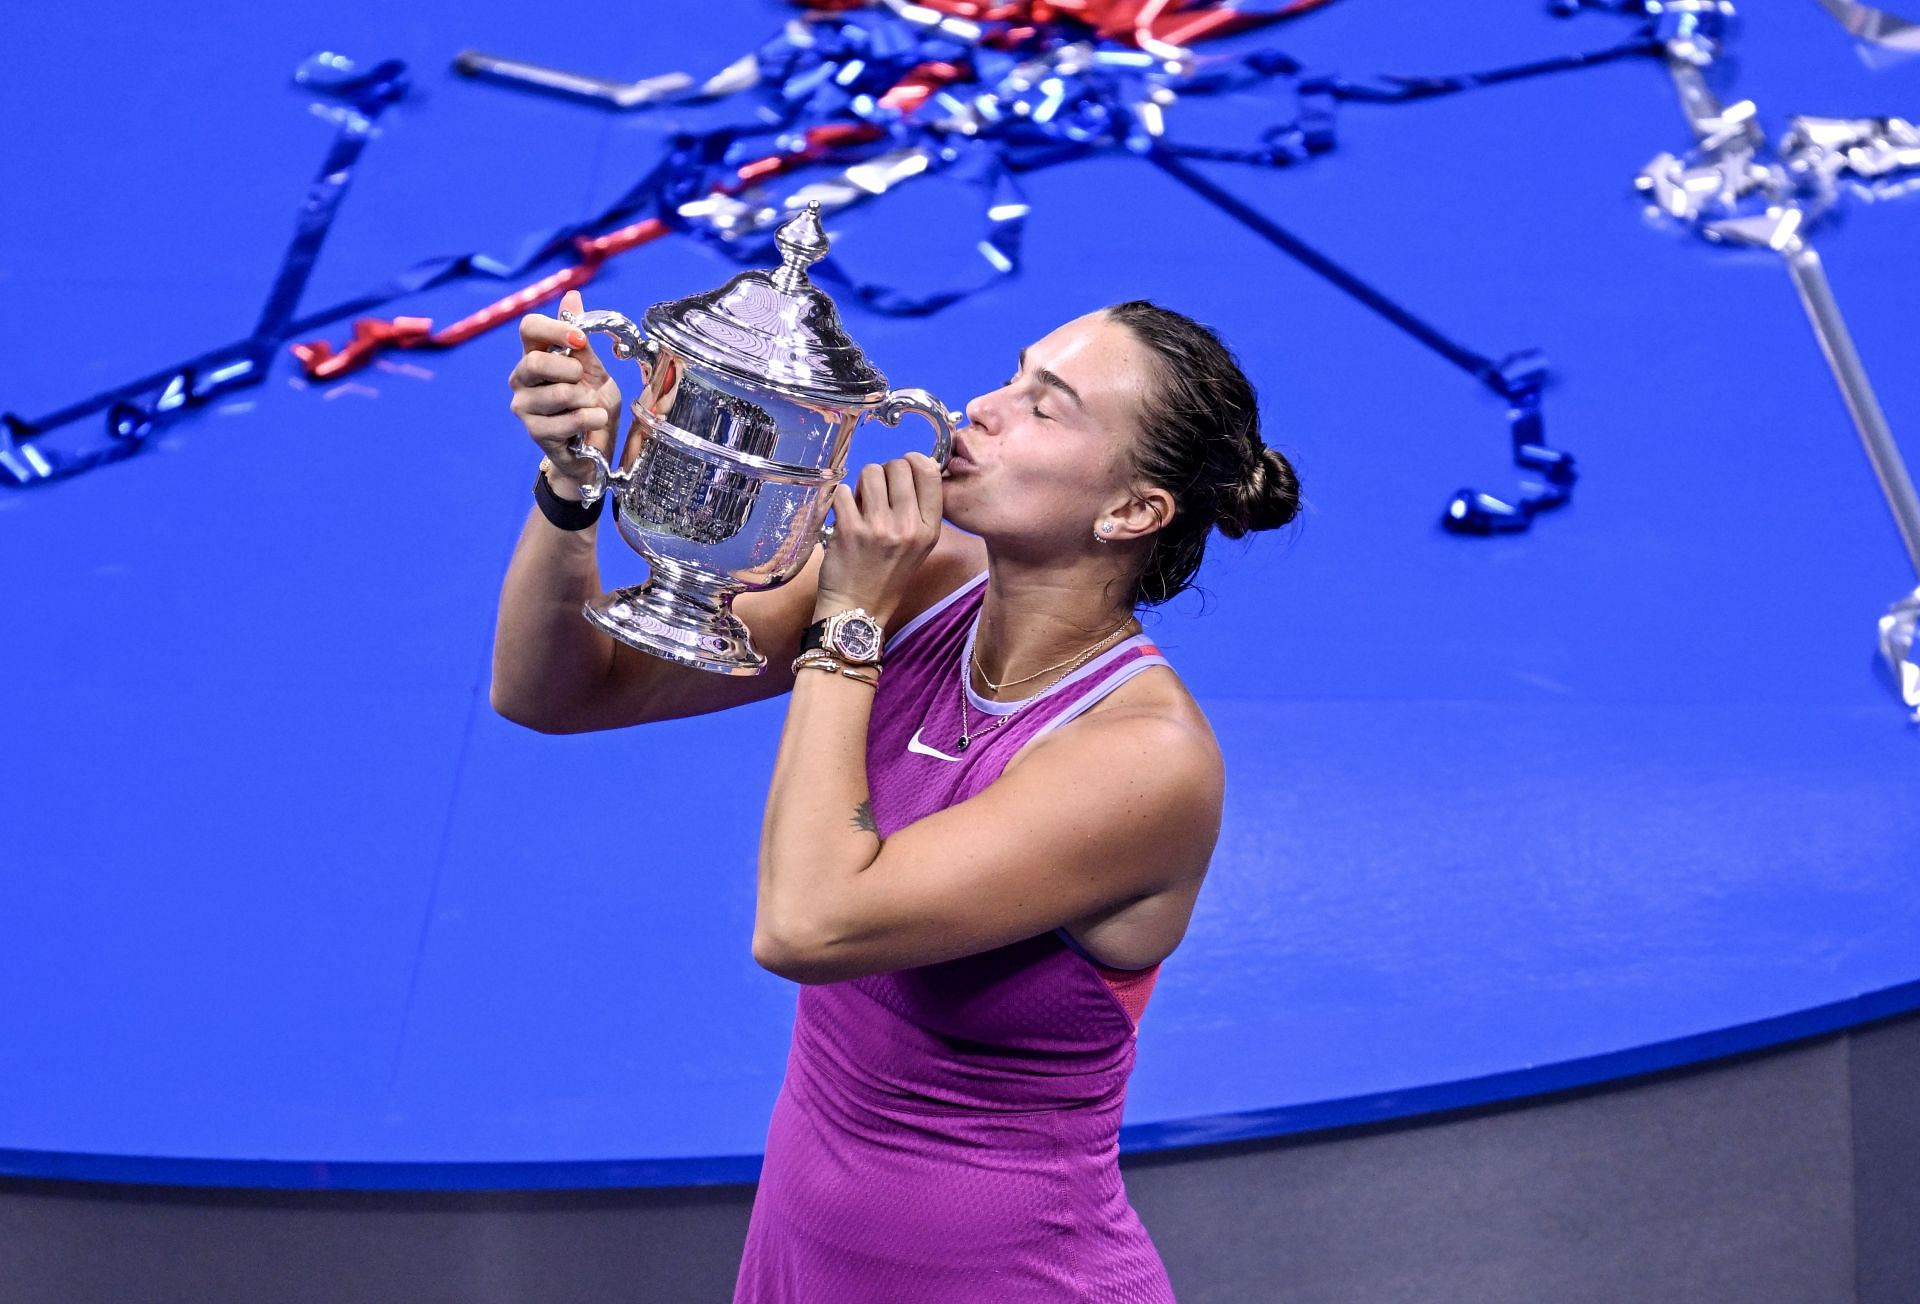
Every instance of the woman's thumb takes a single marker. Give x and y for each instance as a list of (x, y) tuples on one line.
[(571, 302)]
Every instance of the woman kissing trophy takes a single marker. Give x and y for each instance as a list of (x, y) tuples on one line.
[(739, 437)]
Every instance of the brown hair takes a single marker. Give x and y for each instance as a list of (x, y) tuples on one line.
[(1200, 441)]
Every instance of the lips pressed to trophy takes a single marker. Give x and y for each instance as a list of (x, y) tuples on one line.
[(739, 437)]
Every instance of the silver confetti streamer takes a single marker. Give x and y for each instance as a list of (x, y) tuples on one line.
[(647, 91), (1875, 26), (1731, 189), (731, 217)]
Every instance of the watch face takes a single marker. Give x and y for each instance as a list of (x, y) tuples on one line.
[(858, 637)]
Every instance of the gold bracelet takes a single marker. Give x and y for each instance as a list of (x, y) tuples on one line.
[(832, 666), (821, 659), (820, 656)]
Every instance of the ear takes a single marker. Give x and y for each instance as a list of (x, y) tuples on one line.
[(1149, 510)]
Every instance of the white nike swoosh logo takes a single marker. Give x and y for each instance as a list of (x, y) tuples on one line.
[(915, 745)]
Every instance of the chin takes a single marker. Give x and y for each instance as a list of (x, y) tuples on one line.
[(954, 508), (957, 517)]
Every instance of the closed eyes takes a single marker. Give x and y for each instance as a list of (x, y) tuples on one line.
[(1049, 379), (1035, 409)]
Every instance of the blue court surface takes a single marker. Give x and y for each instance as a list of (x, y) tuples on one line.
[(284, 903)]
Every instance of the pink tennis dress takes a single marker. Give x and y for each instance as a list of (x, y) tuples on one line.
[(949, 1134)]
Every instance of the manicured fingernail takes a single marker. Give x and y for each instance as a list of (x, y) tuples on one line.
[(576, 339)]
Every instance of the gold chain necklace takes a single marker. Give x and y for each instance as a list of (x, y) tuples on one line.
[(966, 735), (1009, 683)]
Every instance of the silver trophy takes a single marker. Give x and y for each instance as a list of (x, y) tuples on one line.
[(739, 437)]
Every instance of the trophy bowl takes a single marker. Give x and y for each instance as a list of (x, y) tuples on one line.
[(751, 395)]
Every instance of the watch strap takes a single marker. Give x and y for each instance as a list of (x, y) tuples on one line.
[(563, 513)]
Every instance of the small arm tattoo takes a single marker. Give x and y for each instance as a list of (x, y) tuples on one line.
[(863, 819)]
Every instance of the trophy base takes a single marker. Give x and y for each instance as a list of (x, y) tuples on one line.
[(662, 622)]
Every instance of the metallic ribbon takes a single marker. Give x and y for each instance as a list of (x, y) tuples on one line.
[(1734, 188), (1875, 26), (373, 336), (1158, 25), (853, 99), (982, 93), (1900, 648), (1516, 377), (136, 410), (644, 93)]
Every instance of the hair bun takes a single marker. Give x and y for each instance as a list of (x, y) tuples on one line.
[(1266, 497), (1199, 440)]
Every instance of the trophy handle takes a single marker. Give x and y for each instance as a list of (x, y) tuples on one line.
[(901, 401), (595, 489), (628, 344)]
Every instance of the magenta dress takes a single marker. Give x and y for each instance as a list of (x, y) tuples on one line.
[(949, 1134)]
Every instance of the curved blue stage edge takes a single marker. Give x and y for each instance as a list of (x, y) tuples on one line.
[(723, 1169), (283, 903)]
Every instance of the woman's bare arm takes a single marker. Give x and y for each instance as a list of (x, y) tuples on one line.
[(556, 672), (1120, 805)]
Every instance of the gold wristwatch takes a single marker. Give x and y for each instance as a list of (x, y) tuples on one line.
[(852, 635)]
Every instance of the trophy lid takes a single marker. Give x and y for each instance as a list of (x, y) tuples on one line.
[(773, 328)]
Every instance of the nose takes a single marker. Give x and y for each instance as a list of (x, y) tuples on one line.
[(975, 409)]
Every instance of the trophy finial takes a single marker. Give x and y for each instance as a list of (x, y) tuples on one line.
[(803, 242)]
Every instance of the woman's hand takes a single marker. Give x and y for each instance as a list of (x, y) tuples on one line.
[(881, 534), (560, 395)]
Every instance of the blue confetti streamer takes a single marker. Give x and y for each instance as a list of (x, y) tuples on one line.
[(1004, 113), (135, 411)]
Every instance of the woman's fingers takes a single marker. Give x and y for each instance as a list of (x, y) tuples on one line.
[(543, 368), (928, 488), (872, 491), (539, 331), (560, 430), (881, 531), (845, 511), (903, 502), (902, 496), (565, 395), (549, 400)]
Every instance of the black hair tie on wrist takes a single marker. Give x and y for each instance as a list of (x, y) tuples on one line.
[(564, 513)]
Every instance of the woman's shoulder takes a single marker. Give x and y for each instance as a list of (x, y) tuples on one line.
[(1145, 752), (1158, 695), (1152, 718)]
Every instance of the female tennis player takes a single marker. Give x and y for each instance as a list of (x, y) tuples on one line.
[(991, 811)]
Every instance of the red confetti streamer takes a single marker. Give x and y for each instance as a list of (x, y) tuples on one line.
[(1169, 22), (373, 336), (912, 90), (370, 335)]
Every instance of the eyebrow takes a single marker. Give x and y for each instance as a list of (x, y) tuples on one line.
[(1048, 378)]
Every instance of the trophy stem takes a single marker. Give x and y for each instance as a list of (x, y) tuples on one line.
[(682, 617)]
